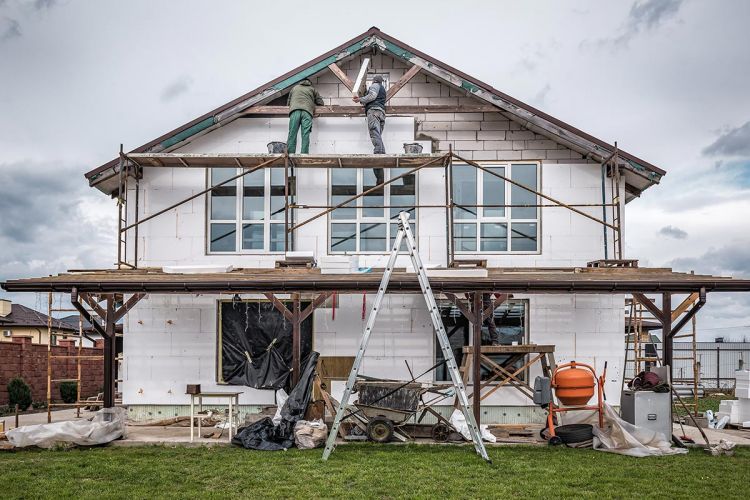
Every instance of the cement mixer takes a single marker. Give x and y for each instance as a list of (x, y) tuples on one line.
[(574, 385)]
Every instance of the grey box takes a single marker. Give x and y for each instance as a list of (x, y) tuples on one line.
[(648, 409)]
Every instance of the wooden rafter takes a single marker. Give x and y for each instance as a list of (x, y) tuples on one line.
[(339, 73), (402, 81)]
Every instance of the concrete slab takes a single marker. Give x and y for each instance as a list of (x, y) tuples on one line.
[(41, 418), (739, 437)]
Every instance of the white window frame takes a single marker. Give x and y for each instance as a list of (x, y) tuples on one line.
[(360, 219), (506, 219), (239, 221)]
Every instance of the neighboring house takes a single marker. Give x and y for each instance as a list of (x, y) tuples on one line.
[(199, 325), (18, 321), (91, 335)]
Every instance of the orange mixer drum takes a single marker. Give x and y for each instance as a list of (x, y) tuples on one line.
[(574, 386)]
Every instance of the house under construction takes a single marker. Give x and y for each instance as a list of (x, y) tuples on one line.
[(233, 264)]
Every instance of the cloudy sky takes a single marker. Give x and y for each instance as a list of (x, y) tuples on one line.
[(667, 79)]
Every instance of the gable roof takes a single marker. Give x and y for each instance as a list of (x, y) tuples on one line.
[(531, 118), (22, 316)]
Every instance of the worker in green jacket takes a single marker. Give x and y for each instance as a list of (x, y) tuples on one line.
[(302, 100)]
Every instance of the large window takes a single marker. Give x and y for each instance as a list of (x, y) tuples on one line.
[(255, 344), (363, 225), (509, 324), (482, 221), (247, 214)]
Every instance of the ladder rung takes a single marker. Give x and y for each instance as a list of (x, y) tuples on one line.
[(64, 380), (54, 356)]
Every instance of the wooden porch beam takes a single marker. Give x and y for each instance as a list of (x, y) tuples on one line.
[(280, 306), (648, 304), (127, 306), (402, 81), (464, 308), (317, 302), (499, 299), (93, 304), (689, 300)]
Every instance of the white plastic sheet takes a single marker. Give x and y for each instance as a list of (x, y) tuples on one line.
[(619, 436), (106, 425), (281, 397), (459, 422)]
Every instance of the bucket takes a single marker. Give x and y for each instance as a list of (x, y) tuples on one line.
[(276, 147), (412, 148)]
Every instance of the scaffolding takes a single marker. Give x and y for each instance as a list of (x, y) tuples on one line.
[(131, 168), (642, 351), (78, 358)]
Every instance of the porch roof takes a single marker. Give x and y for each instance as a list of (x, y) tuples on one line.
[(287, 280)]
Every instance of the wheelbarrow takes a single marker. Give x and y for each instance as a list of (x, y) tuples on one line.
[(388, 405)]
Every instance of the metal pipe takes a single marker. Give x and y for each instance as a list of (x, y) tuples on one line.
[(506, 205), (604, 212), (201, 193), (364, 193)]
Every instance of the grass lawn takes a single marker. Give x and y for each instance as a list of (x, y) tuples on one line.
[(367, 470)]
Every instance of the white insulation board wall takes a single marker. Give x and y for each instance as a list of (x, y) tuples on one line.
[(178, 236), (171, 341)]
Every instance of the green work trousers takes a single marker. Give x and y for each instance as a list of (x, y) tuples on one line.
[(299, 119)]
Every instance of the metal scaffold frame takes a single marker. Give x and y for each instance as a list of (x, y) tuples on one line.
[(132, 166)]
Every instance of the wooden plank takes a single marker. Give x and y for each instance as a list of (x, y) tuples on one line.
[(401, 82), (335, 110), (360, 82), (339, 73), (512, 349)]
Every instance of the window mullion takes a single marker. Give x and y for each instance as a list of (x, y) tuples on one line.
[(238, 213)]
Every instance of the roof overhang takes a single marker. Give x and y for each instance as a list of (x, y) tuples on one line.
[(638, 173), (509, 280)]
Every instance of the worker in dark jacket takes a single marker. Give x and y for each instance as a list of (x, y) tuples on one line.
[(374, 102), (302, 100)]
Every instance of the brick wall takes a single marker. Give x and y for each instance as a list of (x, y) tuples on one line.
[(474, 136), (29, 361)]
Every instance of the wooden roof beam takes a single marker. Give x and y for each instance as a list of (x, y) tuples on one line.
[(339, 73), (401, 82)]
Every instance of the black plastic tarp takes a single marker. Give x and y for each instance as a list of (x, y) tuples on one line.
[(263, 435), (256, 344)]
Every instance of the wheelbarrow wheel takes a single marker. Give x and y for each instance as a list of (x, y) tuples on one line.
[(380, 429), (440, 432)]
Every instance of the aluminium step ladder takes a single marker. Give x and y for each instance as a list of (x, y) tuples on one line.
[(405, 231)]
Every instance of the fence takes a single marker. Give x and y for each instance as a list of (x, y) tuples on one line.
[(29, 361), (717, 362)]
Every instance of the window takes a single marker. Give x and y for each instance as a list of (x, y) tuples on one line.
[(482, 221), (510, 325), (363, 225), (247, 214)]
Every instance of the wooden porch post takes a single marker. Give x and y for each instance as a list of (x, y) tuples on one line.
[(476, 354)]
